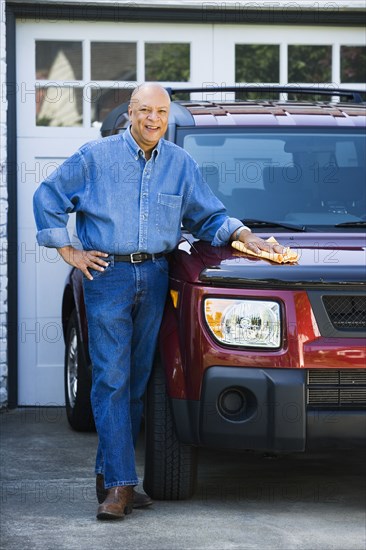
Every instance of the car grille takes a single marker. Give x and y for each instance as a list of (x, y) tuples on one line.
[(346, 312), (336, 388)]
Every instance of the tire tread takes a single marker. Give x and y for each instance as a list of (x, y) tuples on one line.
[(170, 466)]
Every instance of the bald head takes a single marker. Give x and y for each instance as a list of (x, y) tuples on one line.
[(149, 88), (148, 112)]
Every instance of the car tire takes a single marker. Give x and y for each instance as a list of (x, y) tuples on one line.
[(170, 466), (77, 380)]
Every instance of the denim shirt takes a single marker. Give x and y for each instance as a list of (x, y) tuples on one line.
[(126, 204)]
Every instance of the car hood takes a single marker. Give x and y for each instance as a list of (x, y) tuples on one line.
[(323, 259)]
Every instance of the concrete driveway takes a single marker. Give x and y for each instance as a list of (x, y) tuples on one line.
[(243, 501)]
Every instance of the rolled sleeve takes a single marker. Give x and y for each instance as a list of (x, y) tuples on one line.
[(53, 238), (224, 232)]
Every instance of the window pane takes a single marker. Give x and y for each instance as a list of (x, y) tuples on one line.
[(59, 106), (309, 63), (103, 100), (58, 60), (353, 64), (257, 63), (113, 60), (167, 62)]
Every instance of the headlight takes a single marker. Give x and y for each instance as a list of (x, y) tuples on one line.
[(253, 323)]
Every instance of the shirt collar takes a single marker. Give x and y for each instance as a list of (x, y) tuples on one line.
[(136, 149)]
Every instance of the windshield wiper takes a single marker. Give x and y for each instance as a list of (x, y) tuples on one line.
[(267, 223), (356, 223)]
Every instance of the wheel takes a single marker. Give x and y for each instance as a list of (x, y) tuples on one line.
[(170, 466), (77, 380)]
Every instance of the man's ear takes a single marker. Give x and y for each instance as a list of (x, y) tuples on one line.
[(129, 111)]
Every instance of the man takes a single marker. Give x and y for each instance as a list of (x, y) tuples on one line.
[(131, 193)]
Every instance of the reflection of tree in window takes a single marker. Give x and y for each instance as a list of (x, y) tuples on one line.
[(167, 62), (309, 63), (257, 63), (353, 64)]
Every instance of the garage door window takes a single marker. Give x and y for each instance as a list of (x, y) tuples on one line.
[(257, 63), (167, 62), (78, 83), (309, 64), (59, 106), (113, 61), (353, 64), (58, 60)]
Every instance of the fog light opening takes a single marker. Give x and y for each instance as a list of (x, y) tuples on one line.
[(236, 404)]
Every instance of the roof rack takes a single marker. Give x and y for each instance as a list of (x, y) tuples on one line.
[(354, 94)]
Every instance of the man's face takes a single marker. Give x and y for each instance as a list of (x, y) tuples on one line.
[(148, 112)]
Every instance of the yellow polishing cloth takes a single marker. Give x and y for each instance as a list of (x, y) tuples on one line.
[(289, 256)]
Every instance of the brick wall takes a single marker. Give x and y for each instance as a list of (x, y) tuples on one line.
[(3, 220)]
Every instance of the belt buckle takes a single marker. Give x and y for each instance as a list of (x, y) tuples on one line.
[(133, 261)]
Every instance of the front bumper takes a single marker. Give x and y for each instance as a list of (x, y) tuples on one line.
[(265, 409)]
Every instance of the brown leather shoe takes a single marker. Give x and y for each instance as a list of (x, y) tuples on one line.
[(140, 500), (117, 504)]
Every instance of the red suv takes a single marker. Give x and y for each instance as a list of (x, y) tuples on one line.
[(255, 355)]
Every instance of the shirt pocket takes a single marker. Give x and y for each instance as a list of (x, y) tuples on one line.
[(168, 213)]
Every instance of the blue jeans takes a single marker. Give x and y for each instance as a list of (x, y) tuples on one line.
[(124, 307)]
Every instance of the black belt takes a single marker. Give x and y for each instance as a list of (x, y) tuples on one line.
[(137, 257)]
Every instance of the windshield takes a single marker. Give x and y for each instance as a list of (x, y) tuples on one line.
[(312, 177)]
